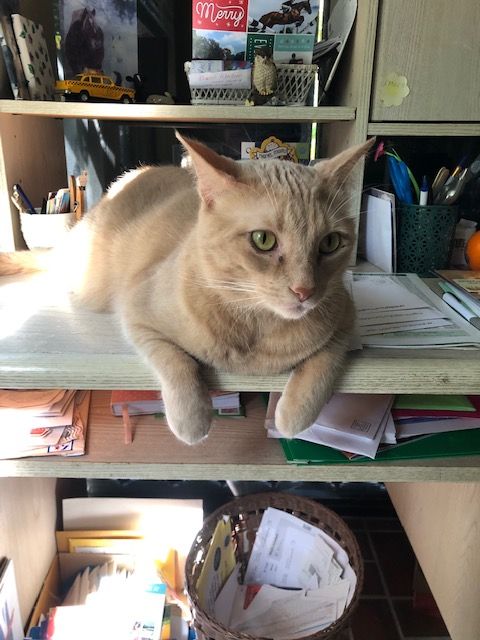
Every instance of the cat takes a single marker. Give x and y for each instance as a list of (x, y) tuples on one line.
[(236, 265)]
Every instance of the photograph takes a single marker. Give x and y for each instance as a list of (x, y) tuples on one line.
[(218, 45), (100, 35), (289, 16)]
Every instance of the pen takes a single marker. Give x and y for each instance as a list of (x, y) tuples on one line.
[(24, 197), (423, 192), (460, 308)]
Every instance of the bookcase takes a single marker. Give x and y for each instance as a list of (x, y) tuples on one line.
[(438, 501)]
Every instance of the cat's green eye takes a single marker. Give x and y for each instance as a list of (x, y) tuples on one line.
[(263, 240), (330, 243)]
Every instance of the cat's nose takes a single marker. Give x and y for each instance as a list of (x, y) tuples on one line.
[(302, 293)]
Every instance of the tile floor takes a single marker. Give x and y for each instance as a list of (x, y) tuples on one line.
[(387, 608)]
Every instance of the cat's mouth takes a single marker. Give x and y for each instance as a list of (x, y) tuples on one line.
[(295, 310)]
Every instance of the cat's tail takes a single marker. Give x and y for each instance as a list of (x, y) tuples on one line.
[(25, 262)]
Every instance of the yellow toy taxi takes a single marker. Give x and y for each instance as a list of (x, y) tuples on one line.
[(94, 85)]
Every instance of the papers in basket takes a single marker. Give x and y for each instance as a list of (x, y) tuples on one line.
[(298, 581)]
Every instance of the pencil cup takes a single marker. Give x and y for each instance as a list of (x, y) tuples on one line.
[(44, 231), (425, 237)]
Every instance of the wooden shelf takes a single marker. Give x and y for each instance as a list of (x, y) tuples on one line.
[(424, 129), (236, 449), (175, 113), (45, 343)]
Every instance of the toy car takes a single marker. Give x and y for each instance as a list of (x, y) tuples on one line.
[(93, 85)]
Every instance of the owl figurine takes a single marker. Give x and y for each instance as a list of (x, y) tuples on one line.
[(264, 77)]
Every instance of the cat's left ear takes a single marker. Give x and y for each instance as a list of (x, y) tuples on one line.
[(215, 173), (338, 167)]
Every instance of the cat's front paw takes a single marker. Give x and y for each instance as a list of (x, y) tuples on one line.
[(189, 419), (292, 417)]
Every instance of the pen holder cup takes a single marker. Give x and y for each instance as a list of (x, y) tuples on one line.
[(45, 231), (245, 514), (425, 237)]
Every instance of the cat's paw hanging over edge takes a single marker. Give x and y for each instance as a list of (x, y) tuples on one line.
[(191, 420), (291, 418)]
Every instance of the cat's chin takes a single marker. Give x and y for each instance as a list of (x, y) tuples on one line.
[(292, 311)]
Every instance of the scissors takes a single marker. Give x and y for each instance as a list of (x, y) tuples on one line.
[(453, 189)]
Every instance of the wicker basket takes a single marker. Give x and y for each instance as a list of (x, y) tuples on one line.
[(246, 514), (294, 82)]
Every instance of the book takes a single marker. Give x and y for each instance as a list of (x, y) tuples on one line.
[(467, 282), (13, 63), (413, 404), (35, 58), (148, 402), (10, 619)]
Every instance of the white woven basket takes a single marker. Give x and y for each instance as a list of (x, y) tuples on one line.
[(294, 82)]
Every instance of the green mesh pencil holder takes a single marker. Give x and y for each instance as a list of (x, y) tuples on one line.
[(425, 237)]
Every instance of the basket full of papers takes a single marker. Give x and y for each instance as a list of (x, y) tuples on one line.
[(273, 565), (229, 87)]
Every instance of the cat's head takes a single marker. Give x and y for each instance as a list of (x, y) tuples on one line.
[(274, 235)]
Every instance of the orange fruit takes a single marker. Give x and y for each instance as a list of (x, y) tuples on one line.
[(472, 251)]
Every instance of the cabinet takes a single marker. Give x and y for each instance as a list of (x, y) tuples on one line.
[(434, 45), (54, 346)]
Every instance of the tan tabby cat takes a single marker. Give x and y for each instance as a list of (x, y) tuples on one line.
[(240, 269)]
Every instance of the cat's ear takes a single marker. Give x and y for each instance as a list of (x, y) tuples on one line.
[(337, 168), (215, 173)]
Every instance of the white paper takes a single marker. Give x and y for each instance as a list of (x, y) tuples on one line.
[(287, 552), (348, 422), (383, 293), (395, 327), (390, 434), (408, 429), (379, 232), (237, 79)]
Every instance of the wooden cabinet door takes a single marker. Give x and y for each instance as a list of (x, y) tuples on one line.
[(435, 45)]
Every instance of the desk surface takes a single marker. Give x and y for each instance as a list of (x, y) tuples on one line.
[(45, 342)]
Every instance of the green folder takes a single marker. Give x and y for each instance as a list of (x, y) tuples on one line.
[(438, 445), (427, 401)]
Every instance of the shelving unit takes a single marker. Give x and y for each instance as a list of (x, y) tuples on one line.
[(45, 343), (236, 448)]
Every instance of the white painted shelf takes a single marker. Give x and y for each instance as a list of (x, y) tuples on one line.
[(236, 449), (175, 113), (44, 342), (423, 129)]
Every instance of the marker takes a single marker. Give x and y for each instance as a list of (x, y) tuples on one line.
[(24, 197), (423, 192), (460, 308)]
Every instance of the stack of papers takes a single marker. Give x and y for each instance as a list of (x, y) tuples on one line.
[(402, 311), (298, 581), (11, 627), (43, 422), (417, 426), (352, 423), (106, 601), (416, 415)]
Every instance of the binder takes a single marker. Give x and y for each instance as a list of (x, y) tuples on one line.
[(439, 445)]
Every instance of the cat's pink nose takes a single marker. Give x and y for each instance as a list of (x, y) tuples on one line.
[(302, 293)]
